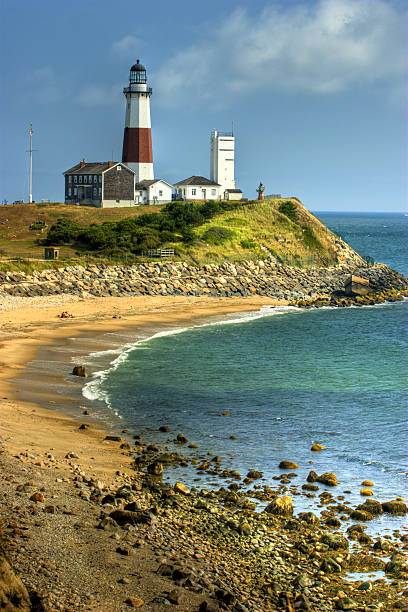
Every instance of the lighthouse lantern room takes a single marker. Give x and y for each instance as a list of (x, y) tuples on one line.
[(137, 139)]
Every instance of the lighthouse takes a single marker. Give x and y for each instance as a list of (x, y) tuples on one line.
[(137, 139)]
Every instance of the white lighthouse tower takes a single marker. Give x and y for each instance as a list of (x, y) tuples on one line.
[(222, 159), (137, 139)]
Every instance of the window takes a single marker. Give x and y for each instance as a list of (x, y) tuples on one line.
[(69, 191), (118, 168), (75, 179), (193, 192), (184, 192), (100, 178), (160, 193), (95, 178), (95, 192), (85, 179), (75, 191), (70, 179), (80, 179), (213, 191), (100, 192)]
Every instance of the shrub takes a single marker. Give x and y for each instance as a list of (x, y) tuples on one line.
[(248, 244), (289, 209), (62, 232), (218, 235), (37, 225), (310, 239)]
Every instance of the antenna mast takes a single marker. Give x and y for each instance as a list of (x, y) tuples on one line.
[(30, 196)]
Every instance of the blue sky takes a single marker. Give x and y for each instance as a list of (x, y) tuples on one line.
[(316, 90)]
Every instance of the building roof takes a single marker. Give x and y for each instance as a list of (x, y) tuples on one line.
[(234, 190), (146, 183), (197, 180), (90, 168)]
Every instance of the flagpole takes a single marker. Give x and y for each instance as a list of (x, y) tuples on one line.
[(30, 197)]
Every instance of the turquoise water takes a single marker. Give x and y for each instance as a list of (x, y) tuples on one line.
[(288, 378)]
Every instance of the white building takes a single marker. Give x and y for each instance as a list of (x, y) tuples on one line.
[(198, 188), (222, 159), (155, 191)]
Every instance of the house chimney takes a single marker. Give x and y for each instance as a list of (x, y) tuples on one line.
[(110, 164), (83, 162)]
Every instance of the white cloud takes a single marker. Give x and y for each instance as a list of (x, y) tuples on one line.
[(45, 85), (96, 95), (321, 47), (126, 47)]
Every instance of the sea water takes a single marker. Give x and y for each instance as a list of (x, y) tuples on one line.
[(287, 377)]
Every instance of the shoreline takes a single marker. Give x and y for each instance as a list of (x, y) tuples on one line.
[(53, 432)]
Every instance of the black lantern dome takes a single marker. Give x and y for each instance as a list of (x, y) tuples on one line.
[(137, 73)]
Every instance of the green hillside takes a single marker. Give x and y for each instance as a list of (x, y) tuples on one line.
[(199, 233)]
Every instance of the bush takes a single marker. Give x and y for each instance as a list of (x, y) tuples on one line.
[(310, 239), (218, 235), (289, 209), (62, 232), (37, 225), (248, 244)]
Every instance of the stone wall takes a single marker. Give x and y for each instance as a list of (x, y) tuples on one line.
[(265, 278)]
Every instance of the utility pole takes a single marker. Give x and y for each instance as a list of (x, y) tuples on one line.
[(30, 150)]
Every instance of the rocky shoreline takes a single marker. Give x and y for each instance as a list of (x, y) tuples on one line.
[(264, 278), (80, 543)]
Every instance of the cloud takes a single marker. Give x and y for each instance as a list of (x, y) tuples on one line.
[(96, 95), (320, 48), (126, 47), (45, 85)]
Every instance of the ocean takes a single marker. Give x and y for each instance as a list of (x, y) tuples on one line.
[(287, 378)]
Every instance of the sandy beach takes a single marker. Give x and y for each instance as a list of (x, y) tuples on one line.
[(77, 476)]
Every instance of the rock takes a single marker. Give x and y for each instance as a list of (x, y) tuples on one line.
[(124, 517), (113, 438), (174, 597), (328, 478), (206, 606), (122, 550), (366, 492), (332, 521), (13, 594), (179, 487), (83, 426), (335, 541), (79, 370), (155, 468), (288, 465), (312, 476), (395, 507), (330, 566), (134, 602), (37, 497), (310, 487), (367, 483), (310, 518), (317, 447), (382, 545), (365, 586), (233, 437), (361, 515), (281, 506), (372, 506), (345, 603), (108, 524), (124, 580), (50, 509), (254, 474), (397, 565), (181, 439), (164, 428)]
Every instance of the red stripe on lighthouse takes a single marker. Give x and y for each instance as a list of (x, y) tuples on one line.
[(137, 146)]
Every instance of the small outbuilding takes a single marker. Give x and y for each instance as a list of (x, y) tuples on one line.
[(233, 194), (51, 252), (198, 188), (154, 191)]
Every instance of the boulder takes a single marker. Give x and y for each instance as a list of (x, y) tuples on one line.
[(288, 465), (124, 517), (253, 474), (79, 370), (328, 478), (361, 515), (155, 468), (317, 447), (335, 541), (372, 506), (310, 518), (13, 594), (281, 506), (113, 438), (395, 507), (179, 487), (366, 492), (312, 476)]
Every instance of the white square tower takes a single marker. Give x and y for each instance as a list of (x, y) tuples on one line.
[(222, 159)]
